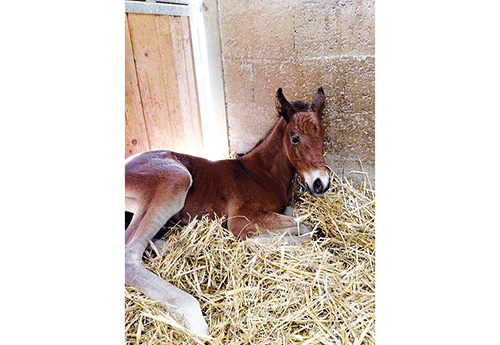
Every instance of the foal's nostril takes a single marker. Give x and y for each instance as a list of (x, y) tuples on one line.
[(318, 186)]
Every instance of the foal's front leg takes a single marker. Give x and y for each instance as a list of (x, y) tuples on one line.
[(278, 224), (267, 225)]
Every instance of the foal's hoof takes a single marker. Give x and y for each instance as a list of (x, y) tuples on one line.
[(200, 331), (188, 312)]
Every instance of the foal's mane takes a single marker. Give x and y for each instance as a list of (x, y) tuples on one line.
[(297, 106)]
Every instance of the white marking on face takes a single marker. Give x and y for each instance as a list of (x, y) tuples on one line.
[(310, 177)]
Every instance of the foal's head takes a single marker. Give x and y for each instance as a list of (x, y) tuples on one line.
[(303, 139)]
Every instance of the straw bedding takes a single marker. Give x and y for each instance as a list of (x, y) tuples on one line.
[(317, 292)]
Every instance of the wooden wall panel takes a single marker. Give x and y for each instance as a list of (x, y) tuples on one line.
[(164, 68), (136, 138), (186, 84)]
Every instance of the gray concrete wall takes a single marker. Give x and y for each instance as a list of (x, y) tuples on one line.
[(300, 45)]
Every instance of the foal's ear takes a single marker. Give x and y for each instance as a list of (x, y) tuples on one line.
[(284, 108), (318, 102)]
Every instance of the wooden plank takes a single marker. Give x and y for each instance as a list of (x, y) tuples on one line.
[(172, 94), (186, 83), (150, 74), (136, 139)]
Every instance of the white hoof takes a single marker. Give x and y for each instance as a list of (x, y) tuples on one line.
[(187, 311)]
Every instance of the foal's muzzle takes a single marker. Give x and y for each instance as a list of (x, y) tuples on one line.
[(317, 182)]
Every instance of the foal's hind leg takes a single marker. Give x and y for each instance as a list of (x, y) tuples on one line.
[(161, 200)]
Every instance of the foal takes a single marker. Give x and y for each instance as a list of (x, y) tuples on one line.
[(252, 191)]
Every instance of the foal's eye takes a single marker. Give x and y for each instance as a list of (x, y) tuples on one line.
[(295, 139)]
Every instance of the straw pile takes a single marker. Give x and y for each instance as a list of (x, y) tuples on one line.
[(317, 292)]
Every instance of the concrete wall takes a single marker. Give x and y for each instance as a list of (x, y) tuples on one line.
[(300, 45)]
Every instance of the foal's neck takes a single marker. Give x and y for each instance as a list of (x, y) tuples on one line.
[(270, 155)]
